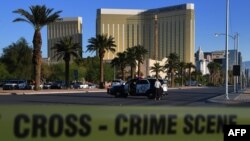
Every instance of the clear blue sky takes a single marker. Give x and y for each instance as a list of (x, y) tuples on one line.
[(209, 14)]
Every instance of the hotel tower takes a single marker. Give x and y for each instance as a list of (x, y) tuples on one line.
[(161, 31)]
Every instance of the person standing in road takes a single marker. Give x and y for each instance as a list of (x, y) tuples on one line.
[(157, 89)]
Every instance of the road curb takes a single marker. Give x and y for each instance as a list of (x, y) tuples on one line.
[(233, 99), (50, 92)]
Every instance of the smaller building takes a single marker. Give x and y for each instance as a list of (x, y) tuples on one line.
[(202, 60), (66, 27)]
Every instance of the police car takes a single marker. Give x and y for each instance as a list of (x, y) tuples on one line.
[(138, 87), (114, 85)]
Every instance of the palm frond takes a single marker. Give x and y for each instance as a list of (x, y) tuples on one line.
[(101, 44), (66, 48), (38, 16)]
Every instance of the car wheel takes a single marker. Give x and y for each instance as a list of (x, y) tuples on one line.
[(150, 95), (125, 95), (118, 94)]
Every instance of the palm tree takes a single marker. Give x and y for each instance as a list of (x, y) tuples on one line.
[(101, 44), (66, 48), (190, 66), (172, 65), (157, 68), (198, 75), (140, 53), (131, 60), (120, 61), (214, 69), (182, 67), (39, 17)]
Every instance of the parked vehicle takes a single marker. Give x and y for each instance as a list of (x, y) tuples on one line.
[(47, 85), (79, 85), (91, 86), (2, 83), (15, 84), (32, 87), (58, 85), (138, 87)]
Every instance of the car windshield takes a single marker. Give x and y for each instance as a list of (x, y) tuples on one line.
[(116, 82)]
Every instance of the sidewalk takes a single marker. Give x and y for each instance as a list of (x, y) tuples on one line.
[(50, 91), (241, 97)]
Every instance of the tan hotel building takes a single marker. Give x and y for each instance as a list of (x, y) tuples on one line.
[(161, 31), (66, 27)]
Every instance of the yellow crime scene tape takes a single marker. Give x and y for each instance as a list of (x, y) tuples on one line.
[(101, 123)]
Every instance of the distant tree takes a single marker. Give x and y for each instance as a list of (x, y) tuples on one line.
[(81, 70), (120, 62), (101, 44), (190, 66), (109, 72), (157, 68), (181, 70), (92, 70), (197, 76), (140, 53), (67, 49), (215, 72), (4, 74), (38, 17), (131, 60), (172, 65), (57, 72), (17, 59), (46, 71)]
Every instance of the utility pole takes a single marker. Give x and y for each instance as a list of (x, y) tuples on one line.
[(237, 62), (226, 49)]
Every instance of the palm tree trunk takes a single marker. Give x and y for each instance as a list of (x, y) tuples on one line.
[(181, 77), (131, 71), (36, 59), (210, 78), (101, 84), (123, 76), (67, 73), (172, 78), (139, 69), (213, 79), (189, 73)]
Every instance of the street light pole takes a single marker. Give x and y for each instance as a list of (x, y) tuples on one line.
[(237, 63), (226, 49), (235, 38)]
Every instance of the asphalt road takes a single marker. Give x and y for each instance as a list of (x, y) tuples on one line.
[(176, 97)]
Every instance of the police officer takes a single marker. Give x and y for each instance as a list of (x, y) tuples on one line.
[(157, 89)]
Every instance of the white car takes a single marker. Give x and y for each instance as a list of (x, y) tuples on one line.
[(144, 87), (80, 85)]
